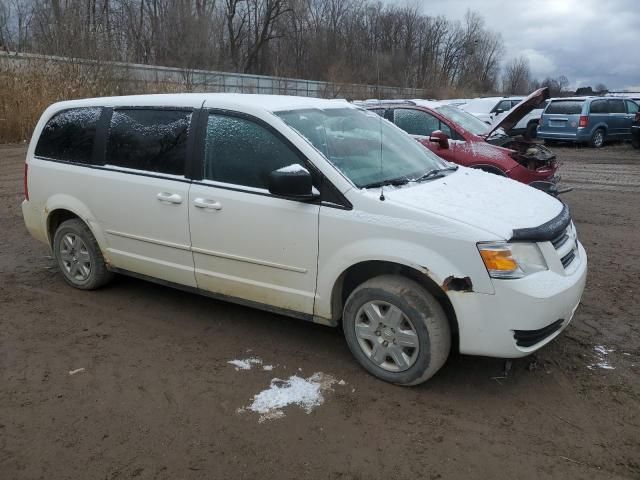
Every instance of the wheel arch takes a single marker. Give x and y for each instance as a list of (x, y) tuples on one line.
[(61, 207), (56, 218), (360, 272)]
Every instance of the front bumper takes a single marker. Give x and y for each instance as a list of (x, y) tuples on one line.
[(492, 325)]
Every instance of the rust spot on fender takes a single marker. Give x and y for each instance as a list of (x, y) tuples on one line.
[(456, 284)]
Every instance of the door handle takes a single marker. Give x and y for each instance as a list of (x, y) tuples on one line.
[(207, 203), (169, 197)]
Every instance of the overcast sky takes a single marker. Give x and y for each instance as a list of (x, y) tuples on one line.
[(589, 41)]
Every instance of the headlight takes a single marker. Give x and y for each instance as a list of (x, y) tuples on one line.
[(511, 260)]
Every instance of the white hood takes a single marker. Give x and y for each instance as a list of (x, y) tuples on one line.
[(490, 202)]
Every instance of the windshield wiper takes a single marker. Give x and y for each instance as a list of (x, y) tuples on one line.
[(435, 173), (384, 183)]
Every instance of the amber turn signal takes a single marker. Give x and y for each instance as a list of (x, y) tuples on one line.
[(498, 260)]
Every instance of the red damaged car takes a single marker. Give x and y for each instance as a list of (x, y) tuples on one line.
[(459, 137)]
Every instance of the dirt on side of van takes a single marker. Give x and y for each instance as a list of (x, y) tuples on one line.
[(133, 381)]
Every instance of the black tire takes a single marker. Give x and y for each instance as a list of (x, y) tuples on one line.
[(420, 308), (532, 131), (635, 142), (597, 138), (93, 267)]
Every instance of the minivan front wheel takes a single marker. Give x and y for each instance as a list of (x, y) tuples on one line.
[(78, 255), (597, 139), (396, 330)]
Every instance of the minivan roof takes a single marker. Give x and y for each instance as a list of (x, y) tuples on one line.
[(271, 103)]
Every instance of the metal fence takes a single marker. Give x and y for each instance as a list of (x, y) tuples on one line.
[(214, 81)]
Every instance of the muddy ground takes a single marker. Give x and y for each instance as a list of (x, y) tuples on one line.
[(157, 398)]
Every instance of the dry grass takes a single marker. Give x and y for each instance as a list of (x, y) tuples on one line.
[(26, 91)]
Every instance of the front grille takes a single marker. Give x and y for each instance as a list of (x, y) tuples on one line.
[(528, 338), (560, 240), (568, 258), (566, 246)]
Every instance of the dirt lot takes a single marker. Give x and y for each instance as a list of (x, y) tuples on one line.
[(157, 398)]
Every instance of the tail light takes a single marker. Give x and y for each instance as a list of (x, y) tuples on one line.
[(584, 121), (26, 184)]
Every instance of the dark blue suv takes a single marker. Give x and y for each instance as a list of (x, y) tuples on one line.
[(591, 120)]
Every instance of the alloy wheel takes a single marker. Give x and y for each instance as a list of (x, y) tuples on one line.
[(75, 258), (386, 336)]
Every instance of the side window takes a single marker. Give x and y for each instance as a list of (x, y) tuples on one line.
[(445, 129), (153, 140), (379, 111), (632, 107), (69, 135), (617, 106), (415, 122), (504, 105), (599, 106), (242, 152)]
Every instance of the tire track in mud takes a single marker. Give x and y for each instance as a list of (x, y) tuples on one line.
[(594, 176)]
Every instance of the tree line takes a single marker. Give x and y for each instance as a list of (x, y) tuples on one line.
[(341, 41), (353, 41)]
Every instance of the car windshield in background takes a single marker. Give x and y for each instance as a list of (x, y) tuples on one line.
[(565, 107), (467, 121), (365, 148)]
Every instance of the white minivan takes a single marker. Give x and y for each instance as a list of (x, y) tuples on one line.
[(308, 207)]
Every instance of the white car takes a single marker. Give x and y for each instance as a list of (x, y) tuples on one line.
[(492, 110), (295, 205)]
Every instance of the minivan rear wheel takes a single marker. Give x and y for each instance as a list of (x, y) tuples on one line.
[(597, 138), (79, 257), (396, 330)]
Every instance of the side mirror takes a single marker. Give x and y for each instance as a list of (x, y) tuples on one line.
[(499, 111), (440, 138), (293, 182)]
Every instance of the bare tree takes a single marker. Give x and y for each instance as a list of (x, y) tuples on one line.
[(517, 76), (355, 41)]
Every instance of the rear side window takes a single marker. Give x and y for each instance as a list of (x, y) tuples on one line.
[(599, 106), (504, 105), (617, 106), (149, 139), (242, 152), (70, 135), (632, 107), (415, 122), (565, 107)]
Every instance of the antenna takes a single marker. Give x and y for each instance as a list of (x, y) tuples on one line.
[(380, 126)]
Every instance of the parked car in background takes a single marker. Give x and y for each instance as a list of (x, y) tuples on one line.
[(454, 102), (635, 131), (591, 120), (459, 137), (280, 203), (487, 108), (493, 109)]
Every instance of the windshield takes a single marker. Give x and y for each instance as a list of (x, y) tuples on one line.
[(467, 121), (364, 147)]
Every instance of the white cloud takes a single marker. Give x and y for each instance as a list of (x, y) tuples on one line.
[(589, 41)]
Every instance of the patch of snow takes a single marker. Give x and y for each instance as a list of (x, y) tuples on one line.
[(342, 382), (306, 393), (246, 363), (293, 168), (267, 367), (601, 358)]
